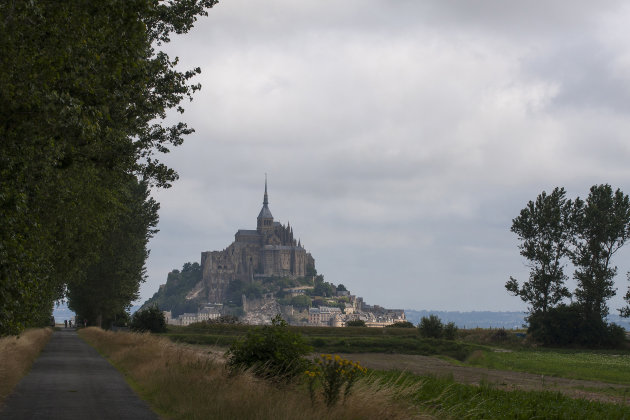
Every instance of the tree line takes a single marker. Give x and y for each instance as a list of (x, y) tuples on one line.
[(84, 91), (553, 231)]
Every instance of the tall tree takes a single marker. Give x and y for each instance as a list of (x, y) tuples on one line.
[(602, 228), (84, 90), (544, 228), (625, 311), (112, 282)]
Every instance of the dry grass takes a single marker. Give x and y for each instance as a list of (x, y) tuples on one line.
[(17, 354), (187, 383)]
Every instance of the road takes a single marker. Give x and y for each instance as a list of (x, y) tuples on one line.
[(70, 380)]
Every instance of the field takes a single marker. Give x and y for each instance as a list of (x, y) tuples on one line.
[(396, 386), (335, 340), (590, 365), (482, 360)]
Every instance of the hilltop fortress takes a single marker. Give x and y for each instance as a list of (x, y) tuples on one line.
[(264, 272), (269, 251)]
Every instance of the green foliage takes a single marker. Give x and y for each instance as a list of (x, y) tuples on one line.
[(545, 229), (403, 324), (602, 224), (356, 323), (449, 399), (83, 97), (567, 325), (431, 327), (334, 374), (113, 281), (301, 301), (324, 289), (334, 340), (149, 319), (271, 352), (450, 331), (589, 233), (341, 288), (172, 297), (595, 365)]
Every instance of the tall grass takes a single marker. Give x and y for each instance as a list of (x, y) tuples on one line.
[(185, 383), (454, 400), (17, 354)]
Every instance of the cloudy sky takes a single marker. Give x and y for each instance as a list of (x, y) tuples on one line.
[(400, 137)]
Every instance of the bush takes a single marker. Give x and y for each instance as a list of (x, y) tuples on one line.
[(270, 352), (430, 327), (333, 373), (566, 325), (450, 331), (403, 324), (149, 319), (356, 323)]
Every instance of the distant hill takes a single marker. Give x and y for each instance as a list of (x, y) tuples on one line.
[(488, 319)]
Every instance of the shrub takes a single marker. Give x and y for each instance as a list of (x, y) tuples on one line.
[(567, 325), (270, 352), (149, 319), (356, 323), (403, 324), (430, 327), (450, 331), (333, 373)]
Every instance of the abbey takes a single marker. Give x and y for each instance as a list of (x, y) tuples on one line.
[(268, 251)]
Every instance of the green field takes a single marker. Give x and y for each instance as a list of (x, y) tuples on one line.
[(336, 340), (602, 365), (593, 365), (449, 399)]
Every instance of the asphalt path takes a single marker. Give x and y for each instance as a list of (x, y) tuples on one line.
[(70, 380)]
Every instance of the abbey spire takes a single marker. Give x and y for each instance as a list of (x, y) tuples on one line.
[(265, 218)]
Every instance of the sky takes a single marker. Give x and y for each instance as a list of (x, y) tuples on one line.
[(400, 138)]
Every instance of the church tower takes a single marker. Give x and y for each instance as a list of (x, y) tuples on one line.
[(265, 219)]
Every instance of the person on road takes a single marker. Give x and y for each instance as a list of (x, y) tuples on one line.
[(70, 323), (65, 321)]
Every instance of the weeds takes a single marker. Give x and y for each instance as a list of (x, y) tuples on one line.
[(186, 383), (17, 354), (333, 373)]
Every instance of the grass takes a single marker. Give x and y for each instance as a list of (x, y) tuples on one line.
[(17, 354), (335, 340), (446, 398), (181, 382), (583, 364)]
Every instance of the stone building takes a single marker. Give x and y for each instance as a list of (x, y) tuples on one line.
[(268, 251)]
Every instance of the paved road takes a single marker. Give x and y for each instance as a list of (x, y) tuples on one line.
[(70, 380)]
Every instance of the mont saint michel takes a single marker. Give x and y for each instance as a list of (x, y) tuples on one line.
[(266, 252), (264, 272)]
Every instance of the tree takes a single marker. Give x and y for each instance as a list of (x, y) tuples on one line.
[(83, 96), (544, 228), (430, 327), (324, 289), (341, 288), (602, 228), (450, 331), (625, 312), (356, 323), (149, 319), (112, 282)]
